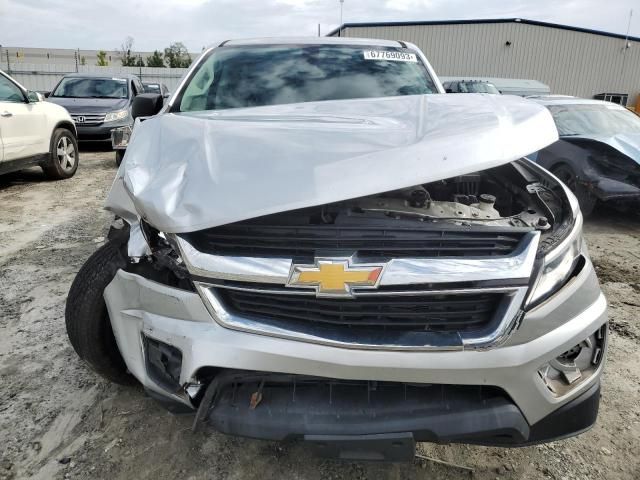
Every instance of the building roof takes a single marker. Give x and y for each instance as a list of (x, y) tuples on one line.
[(483, 21)]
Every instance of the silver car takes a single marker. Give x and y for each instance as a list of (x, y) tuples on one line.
[(313, 242)]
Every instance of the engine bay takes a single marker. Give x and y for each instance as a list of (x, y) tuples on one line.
[(507, 196)]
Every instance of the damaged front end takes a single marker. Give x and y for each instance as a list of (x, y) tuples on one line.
[(420, 276)]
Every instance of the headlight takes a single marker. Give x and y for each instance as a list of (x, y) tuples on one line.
[(117, 115), (558, 265)]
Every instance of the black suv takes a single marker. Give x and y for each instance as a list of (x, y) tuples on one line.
[(98, 103)]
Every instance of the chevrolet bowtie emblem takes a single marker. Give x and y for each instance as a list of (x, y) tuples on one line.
[(334, 277)]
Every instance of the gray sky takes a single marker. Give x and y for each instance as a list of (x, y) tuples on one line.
[(103, 24)]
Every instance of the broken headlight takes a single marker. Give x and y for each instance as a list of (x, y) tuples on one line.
[(558, 265), (154, 256), (120, 137)]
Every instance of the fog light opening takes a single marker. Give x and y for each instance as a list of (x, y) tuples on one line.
[(164, 363), (576, 365)]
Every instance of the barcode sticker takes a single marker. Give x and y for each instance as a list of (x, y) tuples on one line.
[(390, 55)]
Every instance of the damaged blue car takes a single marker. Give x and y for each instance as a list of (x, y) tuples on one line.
[(598, 153)]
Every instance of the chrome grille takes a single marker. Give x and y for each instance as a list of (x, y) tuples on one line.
[(87, 119), (441, 303)]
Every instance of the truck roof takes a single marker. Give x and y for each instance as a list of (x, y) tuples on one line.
[(315, 41), (101, 75), (567, 100)]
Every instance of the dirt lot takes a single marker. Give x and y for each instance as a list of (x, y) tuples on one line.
[(60, 420)]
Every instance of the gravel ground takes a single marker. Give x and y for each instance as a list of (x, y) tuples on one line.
[(60, 420)]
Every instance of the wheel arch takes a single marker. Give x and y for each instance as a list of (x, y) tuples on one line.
[(560, 162), (68, 124)]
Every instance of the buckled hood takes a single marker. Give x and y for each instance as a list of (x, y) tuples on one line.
[(190, 171)]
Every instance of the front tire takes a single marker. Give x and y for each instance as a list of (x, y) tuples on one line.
[(585, 198), (63, 155), (86, 315)]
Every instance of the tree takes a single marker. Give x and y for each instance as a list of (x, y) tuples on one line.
[(155, 60), (125, 53), (102, 59), (83, 60), (177, 56), (139, 62)]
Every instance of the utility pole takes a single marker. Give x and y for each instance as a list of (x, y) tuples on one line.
[(6, 50), (624, 52), (140, 65), (76, 54), (626, 38), (340, 28), (318, 29)]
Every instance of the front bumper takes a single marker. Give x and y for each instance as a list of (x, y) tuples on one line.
[(434, 413), (140, 308), (98, 133), (608, 189)]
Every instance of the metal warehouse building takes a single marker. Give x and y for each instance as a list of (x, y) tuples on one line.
[(571, 60)]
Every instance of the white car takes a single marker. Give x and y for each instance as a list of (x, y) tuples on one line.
[(35, 133)]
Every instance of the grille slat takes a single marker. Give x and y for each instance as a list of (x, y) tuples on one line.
[(89, 118), (417, 313), (371, 241)]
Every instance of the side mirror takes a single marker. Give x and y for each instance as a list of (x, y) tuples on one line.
[(448, 90), (146, 105), (34, 97), (47, 94)]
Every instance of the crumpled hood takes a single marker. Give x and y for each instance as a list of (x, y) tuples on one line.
[(186, 172), (626, 143)]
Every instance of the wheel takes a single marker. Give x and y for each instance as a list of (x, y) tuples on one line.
[(119, 157), (586, 200), (63, 156), (87, 317)]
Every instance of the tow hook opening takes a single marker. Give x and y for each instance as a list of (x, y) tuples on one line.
[(575, 366)]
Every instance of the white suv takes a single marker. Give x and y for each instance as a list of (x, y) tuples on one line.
[(35, 133)]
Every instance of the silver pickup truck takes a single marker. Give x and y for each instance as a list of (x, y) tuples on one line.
[(314, 242)]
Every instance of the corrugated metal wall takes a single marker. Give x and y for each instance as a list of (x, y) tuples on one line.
[(44, 77), (570, 62)]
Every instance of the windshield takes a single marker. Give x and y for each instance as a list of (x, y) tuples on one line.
[(235, 77), (152, 88), (92, 88), (594, 119), (478, 87)]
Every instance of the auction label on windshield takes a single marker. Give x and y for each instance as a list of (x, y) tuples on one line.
[(390, 55)]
